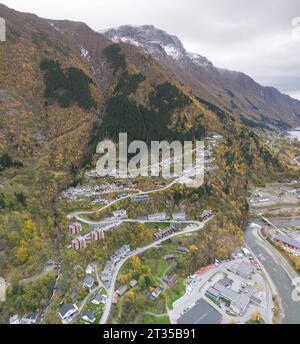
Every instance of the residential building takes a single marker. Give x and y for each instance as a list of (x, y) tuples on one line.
[(97, 234), (97, 299), (30, 319), (67, 310), (78, 243), (89, 269), (155, 294), (157, 217), (14, 320), (162, 233), (122, 290), (75, 228), (89, 316), (140, 198), (170, 279), (133, 283), (206, 215), (88, 282), (179, 217), (120, 214)]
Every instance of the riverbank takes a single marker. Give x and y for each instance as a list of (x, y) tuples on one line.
[(276, 269)]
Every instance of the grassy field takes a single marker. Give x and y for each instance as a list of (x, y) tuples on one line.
[(151, 319)]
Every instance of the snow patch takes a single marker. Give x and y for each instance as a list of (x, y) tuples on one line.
[(172, 51), (85, 53), (200, 60)]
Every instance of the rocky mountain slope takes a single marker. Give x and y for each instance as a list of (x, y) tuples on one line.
[(234, 92)]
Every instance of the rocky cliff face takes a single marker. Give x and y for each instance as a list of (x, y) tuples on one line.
[(234, 92)]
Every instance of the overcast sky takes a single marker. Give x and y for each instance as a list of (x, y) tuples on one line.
[(255, 37)]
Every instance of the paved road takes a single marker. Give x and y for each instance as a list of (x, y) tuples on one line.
[(111, 290), (279, 271), (77, 214)]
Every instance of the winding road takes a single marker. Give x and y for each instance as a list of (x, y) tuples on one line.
[(189, 229), (139, 251)]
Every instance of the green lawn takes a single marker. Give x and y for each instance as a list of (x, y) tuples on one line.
[(151, 319), (175, 292)]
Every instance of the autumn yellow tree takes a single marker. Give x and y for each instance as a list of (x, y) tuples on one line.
[(136, 263)]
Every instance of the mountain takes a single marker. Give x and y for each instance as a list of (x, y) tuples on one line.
[(234, 92), (65, 87)]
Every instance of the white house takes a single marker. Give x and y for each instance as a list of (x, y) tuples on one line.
[(179, 217), (120, 213), (89, 269)]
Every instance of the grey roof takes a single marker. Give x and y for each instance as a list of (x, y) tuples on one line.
[(122, 290), (133, 283), (98, 297), (31, 316), (89, 314), (89, 281), (287, 240), (170, 278), (64, 309), (201, 313), (227, 293), (240, 301)]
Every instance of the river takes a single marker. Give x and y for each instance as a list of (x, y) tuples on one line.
[(295, 133), (280, 278)]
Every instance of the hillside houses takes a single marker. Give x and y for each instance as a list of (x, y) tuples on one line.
[(140, 198), (88, 283), (78, 243), (157, 217), (164, 232), (106, 274), (206, 215), (179, 216), (97, 234), (120, 214), (67, 310), (75, 228)]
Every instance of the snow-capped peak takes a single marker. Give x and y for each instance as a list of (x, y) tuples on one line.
[(156, 42)]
